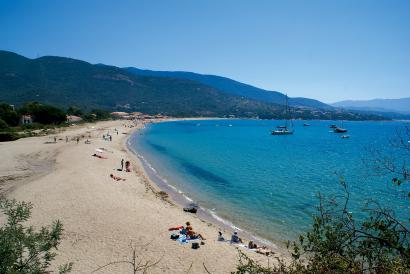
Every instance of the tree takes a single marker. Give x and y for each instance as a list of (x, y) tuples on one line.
[(3, 125), (9, 115), (392, 162), (73, 110), (43, 114), (22, 249)]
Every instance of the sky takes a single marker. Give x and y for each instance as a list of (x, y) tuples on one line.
[(327, 50)]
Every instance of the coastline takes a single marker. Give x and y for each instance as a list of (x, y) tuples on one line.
[(180, 199), (102, 217)]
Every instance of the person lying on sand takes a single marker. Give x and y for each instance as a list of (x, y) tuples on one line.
[(265, 251), (116, 177), (99, 156), (235, 239)]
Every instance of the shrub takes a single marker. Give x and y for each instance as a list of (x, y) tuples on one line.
[(8, 136), (8, 115), (22, 249), (3, 125)]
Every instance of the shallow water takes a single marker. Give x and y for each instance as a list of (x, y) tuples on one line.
[(268, 184)]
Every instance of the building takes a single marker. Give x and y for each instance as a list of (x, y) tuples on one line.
[(26, 120), (73, 119)]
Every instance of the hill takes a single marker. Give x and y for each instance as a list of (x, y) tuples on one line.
[(233, 87), (401, 106), (65, 82)]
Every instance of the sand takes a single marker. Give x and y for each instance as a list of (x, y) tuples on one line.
[(103, 218)]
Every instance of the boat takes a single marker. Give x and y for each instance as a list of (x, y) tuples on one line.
[(333, 126), (306, 125), (345, 136), (284, 130), (339, 130)]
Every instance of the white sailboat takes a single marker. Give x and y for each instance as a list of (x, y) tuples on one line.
[(287, 129)]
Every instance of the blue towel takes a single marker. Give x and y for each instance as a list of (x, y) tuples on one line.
[(182, 239)]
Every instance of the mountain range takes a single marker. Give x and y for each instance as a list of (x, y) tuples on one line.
[(68, 82), (233, 87), (378, 105)]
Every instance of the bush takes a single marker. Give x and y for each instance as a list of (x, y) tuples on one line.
[(44, 114), (8, 115), (8, 136), (3, 125), (22, 249)]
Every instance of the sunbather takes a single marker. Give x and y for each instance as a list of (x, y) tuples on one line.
[(193, 235), (99, 156), (116, 177), (220, 237), (252, 245), (264, 250)]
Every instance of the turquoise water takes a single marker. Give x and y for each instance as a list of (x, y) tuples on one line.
[(265, 184)]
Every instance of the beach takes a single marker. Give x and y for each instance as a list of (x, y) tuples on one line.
[(104, 218)]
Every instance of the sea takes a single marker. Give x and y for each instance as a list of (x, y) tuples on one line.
[(268, 185)]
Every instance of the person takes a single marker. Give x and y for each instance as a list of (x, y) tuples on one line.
[(186, 228), (99, 156), (116, 177), (265, 251), (110, 138), (193, 235), (78, 140), (235, 239), (220, 237), (252, 245), (66, 139), (55, 139), (127, 166), (122, 164)]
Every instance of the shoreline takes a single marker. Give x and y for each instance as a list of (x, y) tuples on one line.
[(181, 200), (103, 217)]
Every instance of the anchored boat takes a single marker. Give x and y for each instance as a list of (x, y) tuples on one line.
[(285, 129)]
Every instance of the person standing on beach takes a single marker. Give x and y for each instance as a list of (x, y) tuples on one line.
[(66, 139), (55, 139), (110, 138), (78, 140), (122, 164)]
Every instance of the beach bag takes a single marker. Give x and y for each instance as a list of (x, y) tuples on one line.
[(174, 237), (195, 245)]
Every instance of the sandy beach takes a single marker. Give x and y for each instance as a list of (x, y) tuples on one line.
[(103, 217)]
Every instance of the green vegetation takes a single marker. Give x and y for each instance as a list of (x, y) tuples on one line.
[(42, 117), (65, 82), (338, 243), (9, 115), (22, 249), (43, 114)]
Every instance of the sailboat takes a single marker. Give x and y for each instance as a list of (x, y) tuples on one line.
[(339, 129), (284, 130)]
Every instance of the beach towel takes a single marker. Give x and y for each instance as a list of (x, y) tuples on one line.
[(182, 239), (175, 228)]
